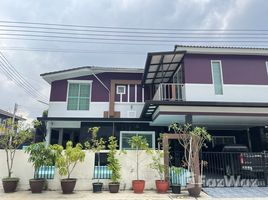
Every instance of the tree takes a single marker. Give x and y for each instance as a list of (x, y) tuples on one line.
[(68, 159), (113, 162), (138, 143), (12, 136), (95, 144), (39, 155)]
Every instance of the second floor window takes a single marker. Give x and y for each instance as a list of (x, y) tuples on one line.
[(79, 96), (217, 76)]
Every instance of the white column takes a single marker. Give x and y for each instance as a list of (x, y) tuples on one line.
[(60, 136), (48, 133)]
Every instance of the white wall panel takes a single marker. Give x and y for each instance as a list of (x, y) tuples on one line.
[(231, 93)]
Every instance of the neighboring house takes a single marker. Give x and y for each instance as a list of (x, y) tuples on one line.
[(4, 115), (223, 89)]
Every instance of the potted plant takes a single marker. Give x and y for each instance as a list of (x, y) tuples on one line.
[(66, 162), (113, 165), (194, 140), (138, 143), (175, 185), (158, 165), (96, 145), (12, 136), (39, 155)]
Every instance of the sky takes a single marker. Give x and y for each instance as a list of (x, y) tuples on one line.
[(164, 14)]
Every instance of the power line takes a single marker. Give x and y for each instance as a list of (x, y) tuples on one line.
[(134, 34), (82, 42), (125, 39), (84, 51), (71, 50), (221, 32), (18, 75), (17, 82), (18, 79), (129, 28), (189, 36)]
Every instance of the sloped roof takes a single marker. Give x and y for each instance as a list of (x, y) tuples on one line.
[(85, 70), (231, 50), (8, 114)]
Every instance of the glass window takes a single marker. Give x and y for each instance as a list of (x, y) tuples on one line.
[(223, 140), (125, 136), (217, 77), (78, 96)]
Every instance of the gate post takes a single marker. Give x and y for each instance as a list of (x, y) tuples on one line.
[(265, 172), (166, 156)]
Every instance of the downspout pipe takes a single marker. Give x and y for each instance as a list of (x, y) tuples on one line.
[(103, 86)]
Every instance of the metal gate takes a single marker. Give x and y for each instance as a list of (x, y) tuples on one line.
[(230, 169), (234, 169)]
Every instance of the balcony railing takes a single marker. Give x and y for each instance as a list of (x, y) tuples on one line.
[(169, 92)]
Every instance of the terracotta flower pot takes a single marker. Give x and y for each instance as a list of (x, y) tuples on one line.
[(138, 186), (194, 190), (37, 185), (161, 186), (10, 184), (114, 187), (67, 185)]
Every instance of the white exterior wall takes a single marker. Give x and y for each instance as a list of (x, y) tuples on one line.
[(231, 93), (83, 171), (124, 108), (59, 109), (96, 110)]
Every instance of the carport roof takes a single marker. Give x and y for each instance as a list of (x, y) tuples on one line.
[(160, 66)]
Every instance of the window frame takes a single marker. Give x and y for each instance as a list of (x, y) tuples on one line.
[(135, 133), (223, 136), (266, 67), (79, 82), (123, 86), (212, 74)]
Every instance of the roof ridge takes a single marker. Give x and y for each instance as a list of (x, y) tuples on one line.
[(221, 47)]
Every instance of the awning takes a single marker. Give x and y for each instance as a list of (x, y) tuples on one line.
[(161, 66), (209, 114)]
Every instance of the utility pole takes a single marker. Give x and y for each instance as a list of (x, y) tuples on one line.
[(14, 113), (13, 121)]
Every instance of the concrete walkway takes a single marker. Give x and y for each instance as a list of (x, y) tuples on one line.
[(123, 195), (86, 195)]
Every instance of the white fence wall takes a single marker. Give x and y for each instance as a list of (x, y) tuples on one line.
[(83, 172)]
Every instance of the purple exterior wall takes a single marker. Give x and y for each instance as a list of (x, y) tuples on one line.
[(236, 69), (99, 93)]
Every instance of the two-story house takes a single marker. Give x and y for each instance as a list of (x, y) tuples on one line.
[(223, 89)]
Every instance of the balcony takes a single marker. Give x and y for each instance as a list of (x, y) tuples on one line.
[(169, 92)]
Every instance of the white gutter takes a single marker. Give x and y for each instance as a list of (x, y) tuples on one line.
[(104, 87)]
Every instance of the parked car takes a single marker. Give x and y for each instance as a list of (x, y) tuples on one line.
[(233, 158), (225, 159), (254, 162)]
